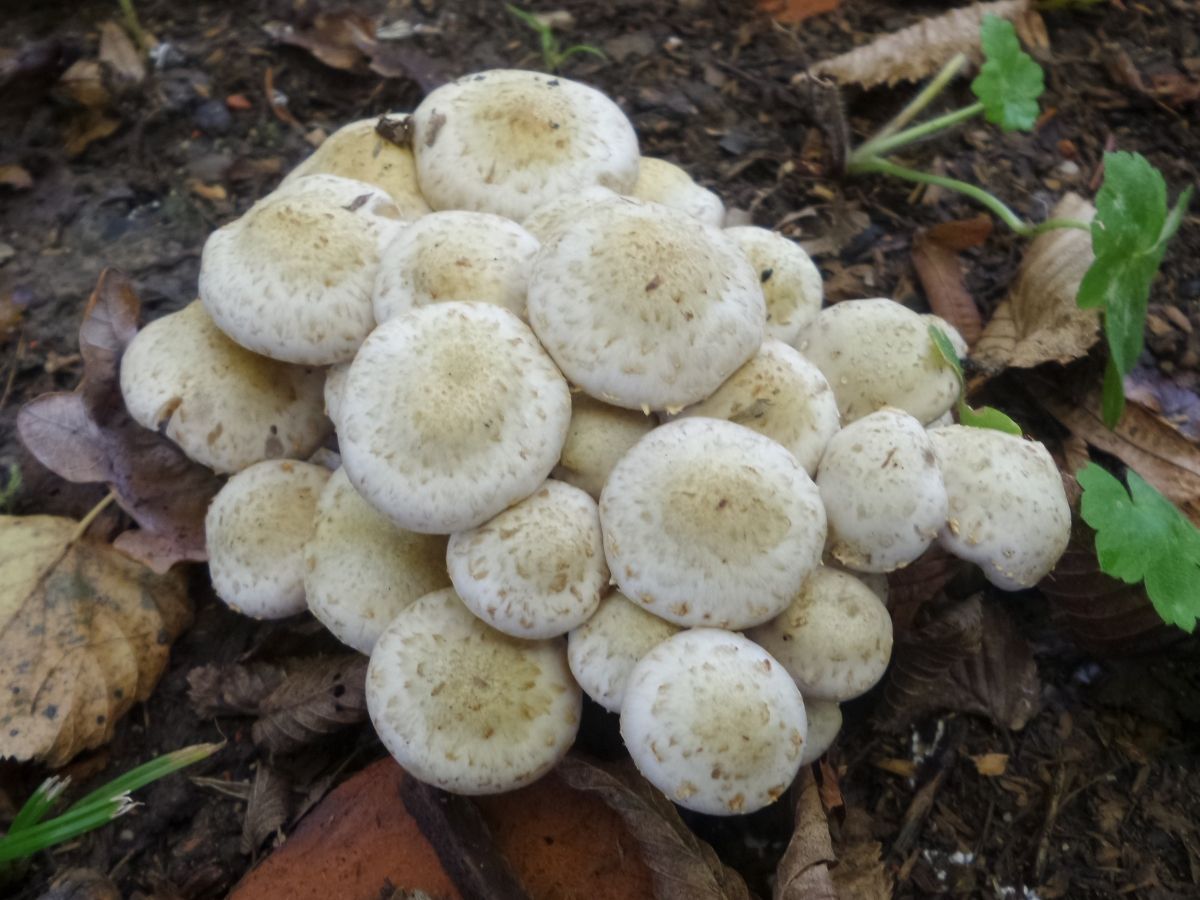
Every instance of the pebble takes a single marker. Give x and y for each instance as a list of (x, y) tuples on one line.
[(212, 117)]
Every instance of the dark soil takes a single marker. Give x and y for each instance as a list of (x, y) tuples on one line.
[(1101, 793)]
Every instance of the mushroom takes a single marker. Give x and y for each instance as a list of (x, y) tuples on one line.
[(714, 722), (225, 407), (506, 141), (883, 492), (782, 395), (644, 307), (361, 570), (335, 389), (709, 523), (466, 708), (1008, 510), (537, 569), (598, 436), (791, 282), (549, 219), (455, 256), (834, 639), (604, 649), (451, 413), (256, 529), (824, 723), (662, 182)]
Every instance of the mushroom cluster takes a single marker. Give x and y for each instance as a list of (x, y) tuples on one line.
[(587, 441)]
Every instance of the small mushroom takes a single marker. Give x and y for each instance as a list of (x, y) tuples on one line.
[(335, 389), (791, 283), (549, 219), (824, 723), (598, 436), (714, 722), (662, 182)]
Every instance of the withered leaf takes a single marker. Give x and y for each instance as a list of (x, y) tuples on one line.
[(914, 585), (87, 128), (935, 256), (119, 54), (791, 11), (267, 809), (318, 697), (235, 689), (15, 177), (684, 867), (803, 872), (861, 874), (1167, 399)]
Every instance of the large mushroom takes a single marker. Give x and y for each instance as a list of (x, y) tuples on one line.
[(791, 282), (664, 182)]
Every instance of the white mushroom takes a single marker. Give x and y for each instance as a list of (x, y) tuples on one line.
[(824, 723), (791, 283), (549, 219), (335, 389), (662, 182), (598, 436)]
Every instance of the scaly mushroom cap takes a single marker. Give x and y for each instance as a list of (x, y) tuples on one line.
[(662, 182), (877, 353), (455, 256), (709, 523), (791, 282), (256, 529), (507, 141), (835, 639), (549, 219), (466, 708), (598, 436), (824, 723), (1008, 510), (451, 414), (537, 569), (292, 278), (782, 395), (225, 407), (361, 570), (714, 722), (644, 307)]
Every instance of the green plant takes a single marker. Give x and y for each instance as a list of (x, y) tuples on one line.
[(987, 416), (553, 54), (12, 487)]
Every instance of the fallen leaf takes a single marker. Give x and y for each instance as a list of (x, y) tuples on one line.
[(831, 790), (15, 177), (11, 315), (860, 873), (803, 871), (1167, 399), (791, 11), (914, 585), (267, 809), (935, 256), (991, 765), (81, 884), (207, 191), (905, 768), (122, 58), (87, 128), (234, 689), (83, 82), (318, 697), (238, 103)]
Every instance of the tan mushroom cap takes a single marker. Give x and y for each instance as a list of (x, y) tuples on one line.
[(506, 141), (361, 570), (1008, 510), (466, 708), (256, 529), (663, 182), (709, 523), (598, 436), (791, 283), (824, 723), (225, 407), (549, 219), (780, 394), (455, 255), (714, 722), (451, 414), (292, 279), (644, 307)]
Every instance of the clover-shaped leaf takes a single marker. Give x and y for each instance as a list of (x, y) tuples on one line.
[(1010, 82)]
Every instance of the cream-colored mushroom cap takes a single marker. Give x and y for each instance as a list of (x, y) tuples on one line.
[(1008, 510), (451, 414), (549, 219), (537, 569), (335, 389), (709, 523), (780, 394), (662, 182), (604, 649), (361, 570), (292, 278), (883, 492), (455, 255), (790, 281), (506, 141), (225, 407), (877, 353), (835, 639), (598, 436), (466, 708), (645, 307), (256, 529), (714, 722), (358, 151), (824, 723)]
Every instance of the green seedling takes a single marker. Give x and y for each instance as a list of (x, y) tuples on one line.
[(985, 417), (10, 489), (553, 54)]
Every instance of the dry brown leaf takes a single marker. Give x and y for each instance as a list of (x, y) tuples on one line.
[(267, 809), (87, 128), (914, 585), (15, 177), (861, 874), (935, 256), (1039, 321), (83, 82), (234, 689), (319, 696), (991, 765), (1167, 399), (792, 11), (803, 872), (119, 54), (84, 634)]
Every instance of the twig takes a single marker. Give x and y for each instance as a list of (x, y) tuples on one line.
[(1057, 791)]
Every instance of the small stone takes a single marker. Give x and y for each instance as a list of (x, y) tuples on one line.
[(213, 117)]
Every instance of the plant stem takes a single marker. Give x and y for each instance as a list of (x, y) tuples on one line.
[(882, 144), (928, 94), (86, 522)]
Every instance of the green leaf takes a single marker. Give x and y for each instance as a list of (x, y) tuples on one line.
[(986, 417), (945, 349), (1010, 82), (1141, 536), (1113, 400)]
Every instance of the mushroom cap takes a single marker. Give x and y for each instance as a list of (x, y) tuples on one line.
[(455, 255), (877, 353), (358, 151), (506, 141), (335, 390), (709, 523), (662, 182), (780, 394), (883, 492), (549, 219), (292, 278), (225, 407), (466, 708), (604, 649), (256, 529), (1008, 510), (451, 413), (361, 570), (835, 639), (645, 307), (598, 436), (537, 569), (824, 723), (791, 283), (714, 722)]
